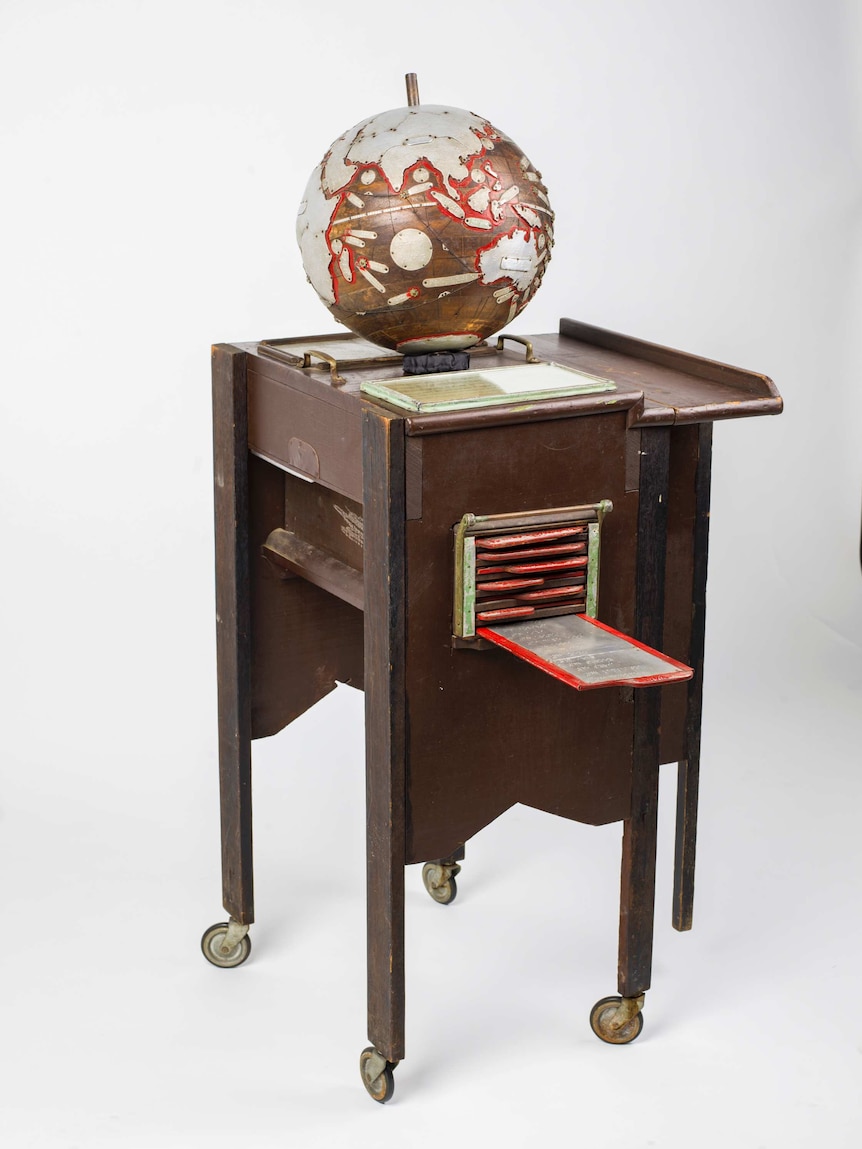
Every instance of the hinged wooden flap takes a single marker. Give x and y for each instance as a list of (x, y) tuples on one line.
[(584, 653)]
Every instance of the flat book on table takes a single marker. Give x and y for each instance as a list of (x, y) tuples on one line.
[(456, 390)]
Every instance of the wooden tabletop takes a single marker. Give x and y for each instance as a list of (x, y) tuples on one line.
[(297, 411)]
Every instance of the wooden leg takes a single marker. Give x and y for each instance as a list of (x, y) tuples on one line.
[(687, 786), (637, 900), (230, 459), (385, 716), (637, 887), (688, 774)]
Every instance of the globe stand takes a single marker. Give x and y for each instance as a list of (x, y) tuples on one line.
[(434, 362)]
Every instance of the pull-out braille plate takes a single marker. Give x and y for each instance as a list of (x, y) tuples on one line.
[(585, 653)]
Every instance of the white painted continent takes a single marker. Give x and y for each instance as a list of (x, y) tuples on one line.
[(396, 139), (393, 141), (514, 257)]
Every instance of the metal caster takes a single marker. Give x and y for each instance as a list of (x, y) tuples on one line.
[(226, 944), (376, 1074), (617, 1020), (439, 879)]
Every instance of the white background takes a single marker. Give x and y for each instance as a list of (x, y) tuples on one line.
[(704, 163)]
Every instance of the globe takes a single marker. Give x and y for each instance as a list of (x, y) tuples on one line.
[(425, 229)]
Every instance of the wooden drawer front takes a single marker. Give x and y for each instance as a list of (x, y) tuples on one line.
[(305, 433)]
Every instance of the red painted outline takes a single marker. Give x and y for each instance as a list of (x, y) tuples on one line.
[(445, 210), (422, 162), (523, 227), (486, 134), (532, 553), (355, 179), (355, 185), (495, 542), (682, 672), (335, 268), (468, 185), (507, 612)]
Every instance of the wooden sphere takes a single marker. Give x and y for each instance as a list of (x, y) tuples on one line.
[(425, 229)]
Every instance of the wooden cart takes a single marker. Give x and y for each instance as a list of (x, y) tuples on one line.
[(337, 519)]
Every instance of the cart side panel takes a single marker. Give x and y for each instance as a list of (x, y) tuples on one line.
[(537, 742), (303, 640)]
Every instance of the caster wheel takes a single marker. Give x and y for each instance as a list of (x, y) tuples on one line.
[(603, 1013), (440, 882), (381, 1087), (213, 950)]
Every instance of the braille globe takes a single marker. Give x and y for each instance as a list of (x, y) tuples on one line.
[(425, 229)]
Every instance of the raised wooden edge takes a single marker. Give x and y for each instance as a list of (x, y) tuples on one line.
[(720, 412), (649, 413), (755, 383), (537, 411)]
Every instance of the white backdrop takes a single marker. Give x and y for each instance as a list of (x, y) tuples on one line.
[(704, 163)]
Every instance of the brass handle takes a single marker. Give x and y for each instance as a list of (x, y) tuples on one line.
[(531, 358), (337, 380)]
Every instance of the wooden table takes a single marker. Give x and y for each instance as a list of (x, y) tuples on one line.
[(334, 563)]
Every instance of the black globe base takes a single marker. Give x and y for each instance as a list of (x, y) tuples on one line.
[(436, 361)]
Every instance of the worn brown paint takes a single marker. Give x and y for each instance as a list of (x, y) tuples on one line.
[(456, 732), (233, 627), (385, 725), (688, 771), (637, 896)]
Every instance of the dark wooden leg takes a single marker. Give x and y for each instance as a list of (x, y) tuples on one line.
[(385, 717), (230, 461), (637, 901), (688, 771)]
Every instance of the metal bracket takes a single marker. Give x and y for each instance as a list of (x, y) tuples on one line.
[(628, 1008), (465, 579), (374, 1066), (233, 936), (442, 871)]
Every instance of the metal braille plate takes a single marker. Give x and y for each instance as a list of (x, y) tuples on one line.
[(584, 653)]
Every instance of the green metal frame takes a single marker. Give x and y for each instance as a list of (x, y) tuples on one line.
[(464, 612)]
